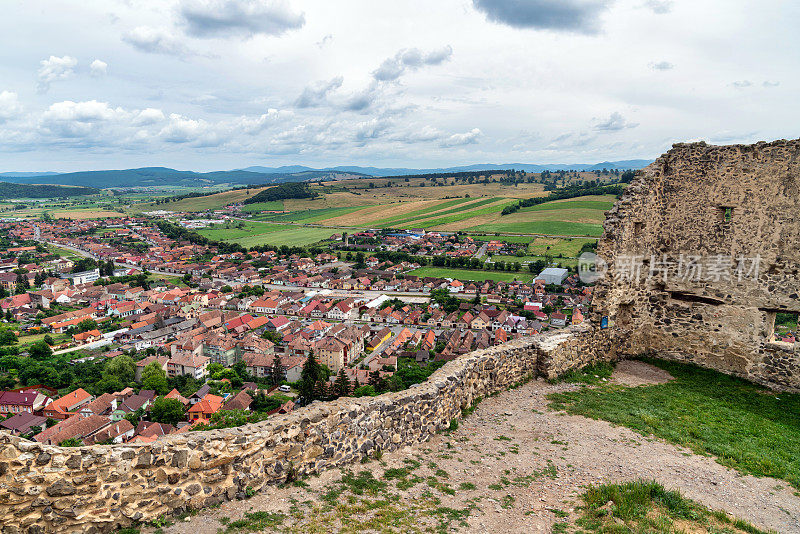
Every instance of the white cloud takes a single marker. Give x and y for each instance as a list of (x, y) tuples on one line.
[(460, 139), (88, 111), (9, 106), (742, 84), (55, 69), (156, 41), (227, 18), (410, 59), (98, 68), (613, 123), (149, 116), (770, 84)]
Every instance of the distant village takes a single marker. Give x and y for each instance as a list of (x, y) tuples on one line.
[(193, 331)]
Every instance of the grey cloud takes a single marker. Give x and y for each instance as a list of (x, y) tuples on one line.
[(410, 59), (362, 100), (580, 16), (770, 84), (659, 7), (225, 18), (156, 41), (613, 123), (662, 65), (325, 40), (371, 129), (741, 84), (315, 95)]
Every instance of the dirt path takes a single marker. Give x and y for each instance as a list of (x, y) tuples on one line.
[(512, 466)]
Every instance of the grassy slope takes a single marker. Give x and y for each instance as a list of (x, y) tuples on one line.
[(643, 506), (741, 424), (275, 205)]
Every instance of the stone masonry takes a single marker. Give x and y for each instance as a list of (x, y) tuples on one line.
[(714, 202), (96, 489)]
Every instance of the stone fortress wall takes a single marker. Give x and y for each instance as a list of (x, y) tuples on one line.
[(95, 489), (716, 202)]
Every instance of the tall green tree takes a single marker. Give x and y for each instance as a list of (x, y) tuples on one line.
[(155, 378), (122, 368), (168, 411), (310, 375), (342, 385)]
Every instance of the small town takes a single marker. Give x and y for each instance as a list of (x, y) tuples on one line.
[(168, 335)]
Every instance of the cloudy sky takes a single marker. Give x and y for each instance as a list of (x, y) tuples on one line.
[(219, 84)]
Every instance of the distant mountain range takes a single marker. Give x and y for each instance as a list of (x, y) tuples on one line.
[(256, 175), (527, 167)]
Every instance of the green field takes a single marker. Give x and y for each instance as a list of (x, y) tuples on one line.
[(441, 221), (308, 216), (64, 252), (475, 276), (275, 205), (423, 211), (555, 246), (543, 227), (602, 205), (220, 233), (286, 235), (427, 213)]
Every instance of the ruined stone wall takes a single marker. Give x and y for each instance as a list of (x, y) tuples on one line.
[(94, 489), (714, 202)]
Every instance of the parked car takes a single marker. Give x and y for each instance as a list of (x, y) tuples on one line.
[(284, 388)]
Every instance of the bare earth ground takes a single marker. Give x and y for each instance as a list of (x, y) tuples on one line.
[(528, 466)]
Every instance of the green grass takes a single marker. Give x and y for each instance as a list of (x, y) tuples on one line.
[(591, 374), (644, 506), (743, 426), (275, 205), (286, 235), (543, 227), (476, 276)]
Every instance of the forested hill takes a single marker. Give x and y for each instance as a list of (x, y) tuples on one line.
[(9, 190), (162, 176)]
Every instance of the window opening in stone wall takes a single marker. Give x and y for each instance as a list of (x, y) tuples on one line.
[(785, 328), (726, 214)]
